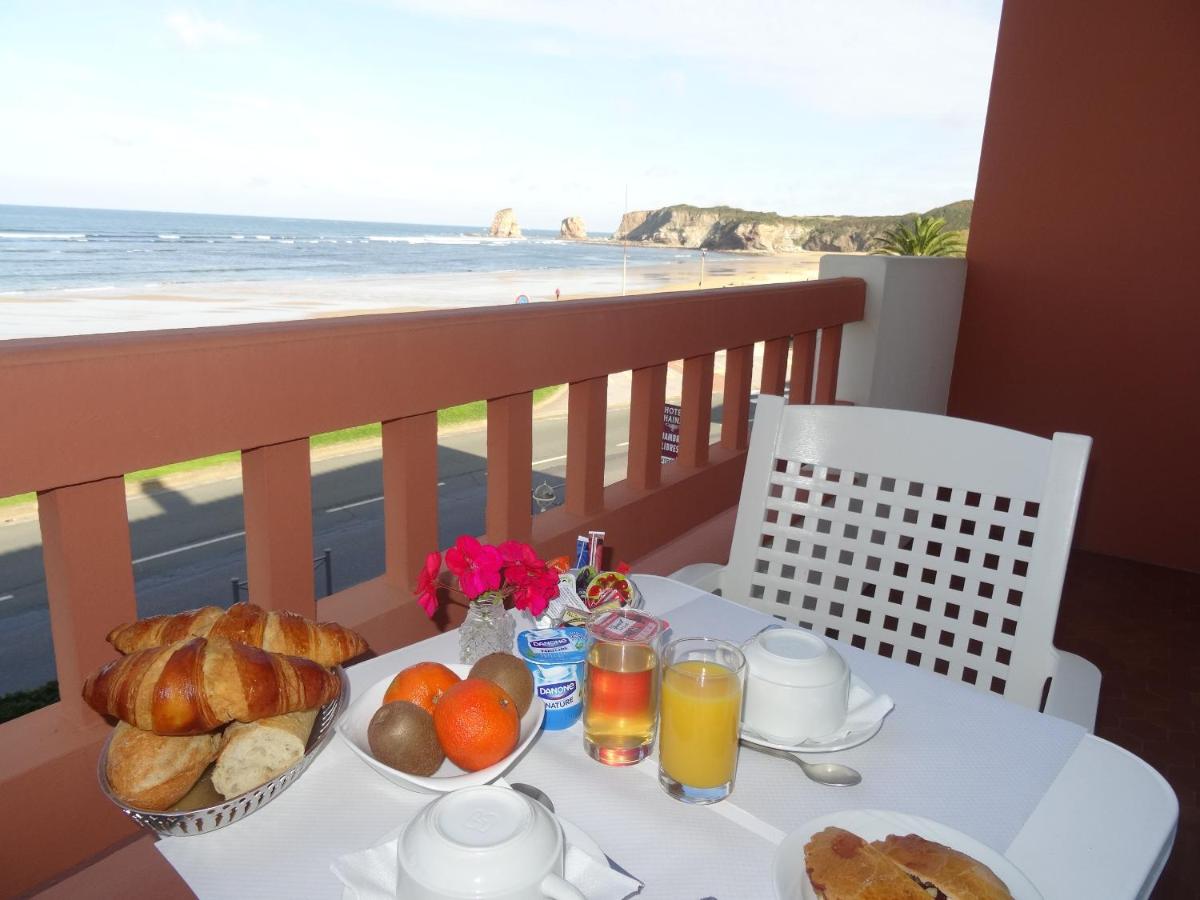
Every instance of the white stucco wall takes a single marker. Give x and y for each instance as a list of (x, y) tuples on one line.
[(901, 355)]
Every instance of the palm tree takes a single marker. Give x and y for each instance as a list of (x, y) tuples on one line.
[(925, 238)]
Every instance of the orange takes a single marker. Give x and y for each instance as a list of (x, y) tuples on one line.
[(476, 723), (423, 684)]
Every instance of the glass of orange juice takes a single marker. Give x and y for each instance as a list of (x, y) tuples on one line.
[(699, 715)]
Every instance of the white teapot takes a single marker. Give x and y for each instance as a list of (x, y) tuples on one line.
[(797, 686)]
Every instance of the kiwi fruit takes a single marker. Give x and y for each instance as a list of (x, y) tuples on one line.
[(401, 735), (511, 674)]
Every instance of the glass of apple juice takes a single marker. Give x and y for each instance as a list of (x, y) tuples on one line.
[(620, 705)]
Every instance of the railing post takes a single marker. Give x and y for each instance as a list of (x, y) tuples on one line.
[(509, 467), (277, 489), (89, 577), (735, 398), (804, 348), (827, 364), (587, 407), (774, 368), (410, 497), (647, 398), (696, 416)]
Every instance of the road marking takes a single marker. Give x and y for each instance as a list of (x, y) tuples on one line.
[(334, 509), (542, 462), (186, 547), (6, 597), (623, 444)]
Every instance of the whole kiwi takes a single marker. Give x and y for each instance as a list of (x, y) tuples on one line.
[(510, 673), (401, 735)]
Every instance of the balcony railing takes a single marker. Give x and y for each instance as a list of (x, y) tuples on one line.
[(79, 413)]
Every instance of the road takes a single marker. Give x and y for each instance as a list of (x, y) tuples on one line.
[(188, 544)]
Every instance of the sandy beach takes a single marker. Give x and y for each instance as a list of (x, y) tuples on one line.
[(107, 310)]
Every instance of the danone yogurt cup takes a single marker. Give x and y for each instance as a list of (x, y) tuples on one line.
[(556, 657)]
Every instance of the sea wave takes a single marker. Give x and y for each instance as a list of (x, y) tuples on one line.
[(41, 236), (168, 237), (437, 239)]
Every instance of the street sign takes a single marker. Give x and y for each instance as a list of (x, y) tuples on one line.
[(670, 433)]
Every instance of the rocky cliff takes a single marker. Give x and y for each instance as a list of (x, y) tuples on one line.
[(572, 229), (504, 224), (726, 228)]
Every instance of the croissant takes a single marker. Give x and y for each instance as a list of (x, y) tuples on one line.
[(327, 643), (194, 686)]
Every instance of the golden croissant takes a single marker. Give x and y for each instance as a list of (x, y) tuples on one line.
[(327, 643), (194, 686)]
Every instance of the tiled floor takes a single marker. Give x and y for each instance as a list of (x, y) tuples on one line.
[(1141, 625)]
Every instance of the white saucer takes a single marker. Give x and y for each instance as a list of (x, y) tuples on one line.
[(824, 745), (788, 867)]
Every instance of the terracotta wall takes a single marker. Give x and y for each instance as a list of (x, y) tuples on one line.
[(1082, 306)]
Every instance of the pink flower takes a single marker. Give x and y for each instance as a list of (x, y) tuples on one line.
[(477, 566), (533, 582), (535, 591), (427, 583)]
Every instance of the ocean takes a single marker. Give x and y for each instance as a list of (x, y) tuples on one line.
[(51, 248)]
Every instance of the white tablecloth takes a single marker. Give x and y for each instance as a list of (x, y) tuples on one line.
[(1078, 816)]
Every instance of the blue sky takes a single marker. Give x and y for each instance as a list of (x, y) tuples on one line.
[(442, 111)]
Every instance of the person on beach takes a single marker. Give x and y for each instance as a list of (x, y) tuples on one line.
[(557, 294)]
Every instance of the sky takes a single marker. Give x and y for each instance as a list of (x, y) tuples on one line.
[(443, 111)]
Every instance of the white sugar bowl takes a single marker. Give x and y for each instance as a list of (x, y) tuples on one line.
[(797, 686), (485, 843)]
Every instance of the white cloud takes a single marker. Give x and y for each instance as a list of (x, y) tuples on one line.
[(926, 59), (195, 31)]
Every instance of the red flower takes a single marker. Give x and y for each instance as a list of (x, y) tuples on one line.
[(476, 565), (533, 581), (427, 583), (535, 592)]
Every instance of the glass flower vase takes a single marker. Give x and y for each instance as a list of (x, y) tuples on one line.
[(488, 628)]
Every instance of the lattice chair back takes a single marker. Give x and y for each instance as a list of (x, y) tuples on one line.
[(937, 541)]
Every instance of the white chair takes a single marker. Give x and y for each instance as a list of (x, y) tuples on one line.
[(937, 541)]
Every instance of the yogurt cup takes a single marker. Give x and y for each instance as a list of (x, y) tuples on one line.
[(556, 657)]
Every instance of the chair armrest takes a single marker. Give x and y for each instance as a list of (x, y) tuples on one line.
[(1074, 690), (706, 576)]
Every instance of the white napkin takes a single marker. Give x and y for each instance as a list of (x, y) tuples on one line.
[(371, 874), (865, 709)]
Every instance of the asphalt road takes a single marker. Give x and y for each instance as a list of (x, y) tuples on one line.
[(188, 544)]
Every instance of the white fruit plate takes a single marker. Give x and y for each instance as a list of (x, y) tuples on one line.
[(353, 730)]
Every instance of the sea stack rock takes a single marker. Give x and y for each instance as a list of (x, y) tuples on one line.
[(504, 224), (572, 229)]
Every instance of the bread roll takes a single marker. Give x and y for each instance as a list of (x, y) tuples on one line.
[(842, 866), (153, 771), (254, 753), (958, 876)]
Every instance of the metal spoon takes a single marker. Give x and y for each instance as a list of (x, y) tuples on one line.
[(832, 774), (543, 798)]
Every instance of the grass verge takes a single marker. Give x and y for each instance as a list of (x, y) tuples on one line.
[(20, 702), (475, 411)]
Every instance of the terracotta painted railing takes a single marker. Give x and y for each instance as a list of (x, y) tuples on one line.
[(78, 413)]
